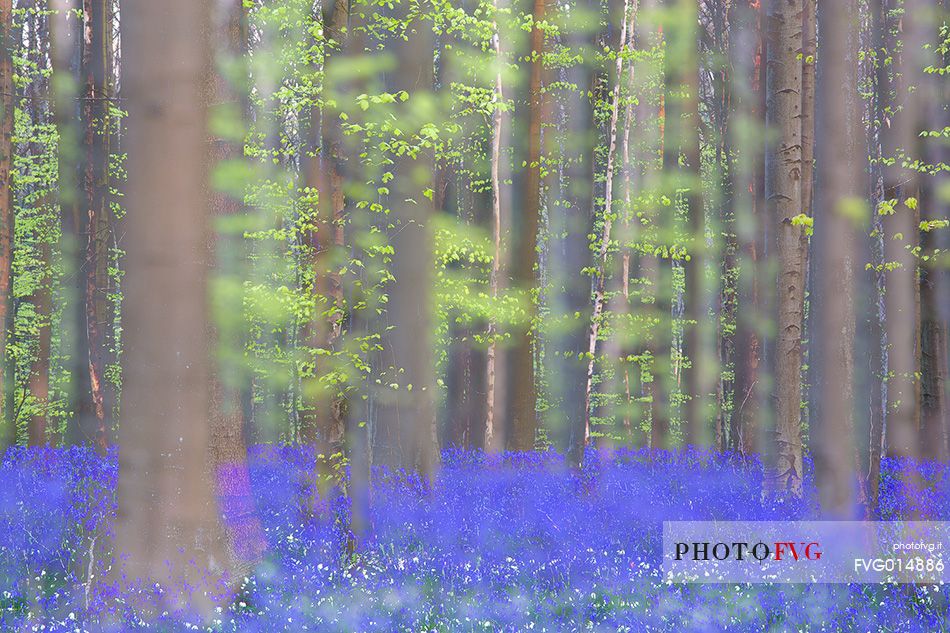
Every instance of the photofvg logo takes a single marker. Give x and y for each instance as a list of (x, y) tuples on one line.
[(742, 550), (805, 551)]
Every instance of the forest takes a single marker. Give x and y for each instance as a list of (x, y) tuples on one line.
[(434, 315)]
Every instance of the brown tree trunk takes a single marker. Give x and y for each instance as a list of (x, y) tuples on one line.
[(8, 430), (94, 184), (75, 220), (323, 415), (227, 449), (39, 371), (841, 156), (784, 199), (523, 397), (167, 527)]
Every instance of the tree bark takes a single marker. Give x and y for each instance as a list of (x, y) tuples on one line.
[(523, 397), (784, 200), (94, 183), (495, 400), (39, 371), (406, 429), (840, 189), (608, 211), (650, 117), (323, 417), (682, 137), (229, 379), (901, 217), (7, 217), (167, 524)]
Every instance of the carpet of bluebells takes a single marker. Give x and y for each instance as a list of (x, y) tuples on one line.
[(516, 542)]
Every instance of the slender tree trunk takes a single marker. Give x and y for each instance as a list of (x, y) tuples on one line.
[(324, 414), (841, 156), (784, 198), (878, 363), (650, 116), (523, 397), (495, 382), (608, 211), (8, 430), (682, 137), (620, 347), (809, 58), (167, 526)]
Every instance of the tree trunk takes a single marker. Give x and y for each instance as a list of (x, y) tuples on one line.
[(495, 400), (682, 137), (935, 416), (227, 451), (841, 156), (324, 413), (167, 525), (39, 372), (901, 217), (570, 221), (876, 323), (8, 430), (523, 397), (406, 428), (608, 211), (784, 199), (650, 116), (94, 182)]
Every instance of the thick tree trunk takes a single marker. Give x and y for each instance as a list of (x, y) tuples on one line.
[(167, 528), (840, 156), (7, 429), (901, 217), (523, 397), (935, 416), (94, 200), (406, 429), (784, 199), (227, 451)]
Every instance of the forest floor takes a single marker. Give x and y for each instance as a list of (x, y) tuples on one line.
[(509, 543)]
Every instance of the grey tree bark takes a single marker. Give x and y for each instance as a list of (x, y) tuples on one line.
[(167, 525)]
